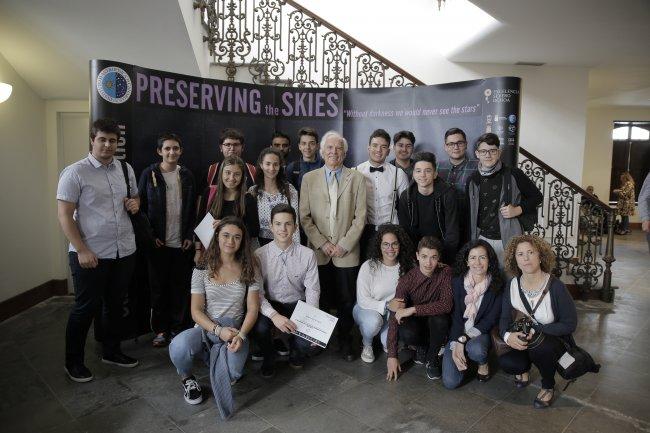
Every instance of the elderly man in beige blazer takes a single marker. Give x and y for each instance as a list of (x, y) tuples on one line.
[(333, 215)]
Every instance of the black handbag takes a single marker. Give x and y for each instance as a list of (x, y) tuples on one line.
[(144, 237), (575, 362)]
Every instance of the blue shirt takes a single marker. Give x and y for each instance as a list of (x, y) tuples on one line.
[(99, 191), (337, 173)]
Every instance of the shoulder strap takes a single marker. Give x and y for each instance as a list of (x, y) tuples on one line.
[(524, 300), (126, 178), (395, 198), (212, 172)]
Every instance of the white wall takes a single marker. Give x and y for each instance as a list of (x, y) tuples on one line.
[(25, 226), (598, 150)]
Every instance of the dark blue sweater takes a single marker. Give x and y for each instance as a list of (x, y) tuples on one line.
[(487, 315), (564, 310)]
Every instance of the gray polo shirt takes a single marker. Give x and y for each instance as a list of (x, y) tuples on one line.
[(99, 192)]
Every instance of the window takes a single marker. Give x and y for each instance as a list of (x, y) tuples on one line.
[(631, 152)]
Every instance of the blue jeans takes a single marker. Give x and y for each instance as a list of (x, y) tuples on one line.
[(188, 345), (370, 324), (476, 349)]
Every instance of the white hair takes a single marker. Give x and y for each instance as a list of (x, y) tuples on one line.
[(329, 134)]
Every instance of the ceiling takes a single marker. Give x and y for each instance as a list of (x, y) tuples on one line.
[(50, 43)]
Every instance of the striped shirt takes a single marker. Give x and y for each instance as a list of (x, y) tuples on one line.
[(221, 300), (431, 296)]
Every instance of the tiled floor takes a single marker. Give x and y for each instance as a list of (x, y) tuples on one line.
[(331, 395)]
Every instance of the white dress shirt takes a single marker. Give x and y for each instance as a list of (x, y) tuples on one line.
[(289, 276), (380, 192)]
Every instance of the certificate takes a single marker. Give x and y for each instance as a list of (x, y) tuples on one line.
[(204, 230), (313, 324)]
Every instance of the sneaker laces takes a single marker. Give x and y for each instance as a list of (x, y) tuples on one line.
[(191, 384)]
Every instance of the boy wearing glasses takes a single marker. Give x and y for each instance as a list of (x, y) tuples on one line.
[(231, 143), (457, 171), (498, 197)]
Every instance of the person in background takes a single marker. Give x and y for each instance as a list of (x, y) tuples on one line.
[(310, 158), (403, 145), (456, 171), (271, 188), (282, 143), (167, 196), (625, 204), (226, 288)]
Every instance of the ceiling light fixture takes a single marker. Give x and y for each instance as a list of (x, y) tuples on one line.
[(5, 91)]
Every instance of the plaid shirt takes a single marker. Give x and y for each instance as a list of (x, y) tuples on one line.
[(457, 175)]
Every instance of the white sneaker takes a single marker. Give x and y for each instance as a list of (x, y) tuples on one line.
[(367, 355)]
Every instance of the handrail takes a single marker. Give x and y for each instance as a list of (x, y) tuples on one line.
[(565, 179), (354, 41)]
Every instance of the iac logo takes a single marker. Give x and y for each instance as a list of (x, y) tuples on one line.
[(114, 85)]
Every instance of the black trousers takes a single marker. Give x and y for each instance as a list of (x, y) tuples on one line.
[(367, 236), (339, 291), (170, 273), (428, 331), (263, 334), (104, 286), (544, 356)]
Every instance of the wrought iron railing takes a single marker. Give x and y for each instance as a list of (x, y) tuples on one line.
[(579, 227), (280, 42)]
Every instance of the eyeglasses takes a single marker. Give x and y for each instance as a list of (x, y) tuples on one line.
[(229, 145), (393, 245), (457, 144), (484, 152)]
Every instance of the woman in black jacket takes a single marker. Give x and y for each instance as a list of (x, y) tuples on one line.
[(554, 317), (477, 287), (167, 197)]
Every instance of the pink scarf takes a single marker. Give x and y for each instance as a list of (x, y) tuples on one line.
[(474, 292)]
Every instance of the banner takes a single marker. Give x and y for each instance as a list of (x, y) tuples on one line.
[(147, 103)]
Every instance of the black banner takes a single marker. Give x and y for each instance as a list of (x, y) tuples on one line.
[(147, 102)]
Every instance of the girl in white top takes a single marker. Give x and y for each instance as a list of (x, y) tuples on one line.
[(272, 188), (390, 257)]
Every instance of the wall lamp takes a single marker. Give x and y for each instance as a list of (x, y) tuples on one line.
[(5, 91)]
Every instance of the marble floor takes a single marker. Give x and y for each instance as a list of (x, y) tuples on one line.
[(331, 395)]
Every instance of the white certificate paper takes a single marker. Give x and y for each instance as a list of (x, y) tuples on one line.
[(313, 324), (204, 230)]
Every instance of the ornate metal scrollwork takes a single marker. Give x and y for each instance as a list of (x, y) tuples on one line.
[(266, 67), (337, 60), (231, 43), (370, 71), (302, 46)]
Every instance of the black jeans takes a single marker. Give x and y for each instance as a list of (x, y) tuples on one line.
[(367, 236), (262, 334), (544, 356), (428, 331), (170, 272), (339, 291), (104, 286)]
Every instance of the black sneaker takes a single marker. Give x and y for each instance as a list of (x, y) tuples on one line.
[(433, 370), (296, 362), (78, 373), (267, 370), (420, 355), (280, 348), (192, 390), (257, 356), (120, 359)]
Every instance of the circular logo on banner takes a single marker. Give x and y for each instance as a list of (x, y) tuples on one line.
[(512, 118), (114, 85)]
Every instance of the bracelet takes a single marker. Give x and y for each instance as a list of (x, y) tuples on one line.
[(216, 330)]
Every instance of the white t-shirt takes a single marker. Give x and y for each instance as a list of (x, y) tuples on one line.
[(174, 201), (376, 284)]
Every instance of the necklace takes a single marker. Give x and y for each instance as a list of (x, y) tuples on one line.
[(531, 294)]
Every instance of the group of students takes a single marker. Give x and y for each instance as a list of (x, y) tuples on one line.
[(273, 247)]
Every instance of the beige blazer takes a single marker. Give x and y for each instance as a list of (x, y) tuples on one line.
[(350, 215)]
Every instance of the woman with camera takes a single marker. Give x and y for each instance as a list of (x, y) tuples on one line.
[(477, 288), (537, 312)]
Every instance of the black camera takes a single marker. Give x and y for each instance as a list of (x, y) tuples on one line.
[(525, 325)]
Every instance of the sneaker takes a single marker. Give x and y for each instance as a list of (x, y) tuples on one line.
[(296, 362), (280, 348), (420, 355), (433, 370), (257, 356), (78, 373), (367, 355), (192, 391), (160, 340), (120, 359), (267, 370)]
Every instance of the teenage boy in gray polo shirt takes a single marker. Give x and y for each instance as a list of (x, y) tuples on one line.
[(92, 210)]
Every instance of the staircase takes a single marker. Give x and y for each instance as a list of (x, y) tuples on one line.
[(279, 42)]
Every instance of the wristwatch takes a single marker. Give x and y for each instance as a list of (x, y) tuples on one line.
[(462, 339)]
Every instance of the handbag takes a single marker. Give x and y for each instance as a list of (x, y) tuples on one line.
[(144, 237), (575, 362), (524, 323)]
